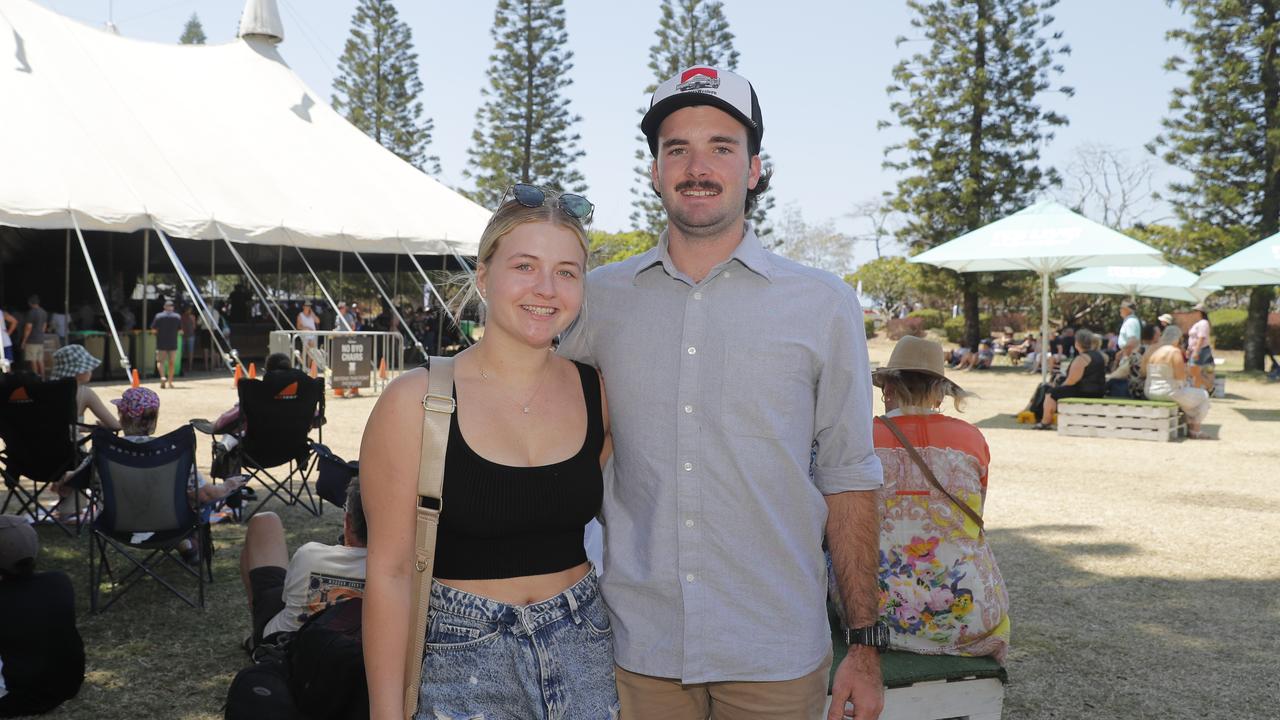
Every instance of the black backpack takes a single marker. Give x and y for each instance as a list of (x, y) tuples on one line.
[(326, 664), (261, 692)]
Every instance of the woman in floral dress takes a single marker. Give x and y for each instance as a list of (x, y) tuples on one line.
[(941, 591)]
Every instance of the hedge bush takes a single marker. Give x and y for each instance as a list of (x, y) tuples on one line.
[(954, 327), (869, 325), (1228, 328), (932, 318)]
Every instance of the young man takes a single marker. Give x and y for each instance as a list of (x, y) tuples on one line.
[(714, 522), (33, 328), (166, 325), (319, 575)]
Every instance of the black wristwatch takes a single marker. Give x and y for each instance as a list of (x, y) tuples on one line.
[(875, 635)]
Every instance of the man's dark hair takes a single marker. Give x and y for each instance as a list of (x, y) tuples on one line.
[(278, 361), (1150, 331), (33, 300), (355, 509)]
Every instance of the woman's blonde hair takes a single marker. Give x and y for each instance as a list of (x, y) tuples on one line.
[(925, 390), (510, 215)]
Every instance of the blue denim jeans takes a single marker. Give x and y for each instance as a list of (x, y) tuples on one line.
[(489, 660)]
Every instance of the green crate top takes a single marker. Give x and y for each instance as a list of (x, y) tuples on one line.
[(903, 668), (1117, 401)]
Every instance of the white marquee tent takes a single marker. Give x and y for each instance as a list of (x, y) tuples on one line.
[(214, 142), (130, 134)]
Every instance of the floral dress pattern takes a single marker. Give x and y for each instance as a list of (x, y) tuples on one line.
[(940, 588)]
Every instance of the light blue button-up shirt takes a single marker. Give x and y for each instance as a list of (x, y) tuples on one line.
[(717, 392)]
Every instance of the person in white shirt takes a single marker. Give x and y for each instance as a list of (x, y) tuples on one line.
[(282, 598)]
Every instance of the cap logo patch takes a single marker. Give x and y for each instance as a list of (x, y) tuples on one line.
[(288, 392), (20, 396), (698, 78)]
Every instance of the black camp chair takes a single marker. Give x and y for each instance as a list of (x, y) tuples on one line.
[(147, 511), (38, 426), (278, 414)]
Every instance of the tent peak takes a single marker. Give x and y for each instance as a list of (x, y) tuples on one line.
[(261, 21)]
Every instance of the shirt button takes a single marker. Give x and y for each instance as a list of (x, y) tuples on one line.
[(728, 274), (688, 467), (688, 409), (688, 523), (689, 577), (697, 295), (693, 350)]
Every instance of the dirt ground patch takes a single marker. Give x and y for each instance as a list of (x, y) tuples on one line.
[(1140, 573)]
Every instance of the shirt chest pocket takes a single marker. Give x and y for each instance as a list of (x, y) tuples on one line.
[(766, 392)]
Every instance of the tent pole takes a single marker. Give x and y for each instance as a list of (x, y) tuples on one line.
[(229, 357), (394, 310), (434, 291), (102, 298), (279, 268), (66, 281), (146, 283), (1044, 325), (395, 278), (327, 296), (339, 285), (258, 288)]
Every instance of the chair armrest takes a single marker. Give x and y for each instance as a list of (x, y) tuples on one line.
[(201, 425)]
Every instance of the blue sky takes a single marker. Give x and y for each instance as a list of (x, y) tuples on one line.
[(819, 67)]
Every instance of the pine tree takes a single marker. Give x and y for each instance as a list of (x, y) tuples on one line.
[(1224, 128), (193, 33), (378, 87), (690, 32), (524, 128), (969, 101)]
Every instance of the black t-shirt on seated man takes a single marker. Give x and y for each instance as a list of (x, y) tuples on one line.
[(40, 649)]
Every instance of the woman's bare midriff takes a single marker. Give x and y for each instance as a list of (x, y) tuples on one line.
[(524, 590)]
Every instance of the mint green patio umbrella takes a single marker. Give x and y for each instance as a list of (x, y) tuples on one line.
[(1164, 281), (1258, 264), (1045, 238)]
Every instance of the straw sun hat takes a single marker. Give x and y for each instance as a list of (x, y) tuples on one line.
[(915, 354)]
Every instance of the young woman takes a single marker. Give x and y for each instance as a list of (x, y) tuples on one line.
[(1168, 379), (1200, 364), (517, 627)]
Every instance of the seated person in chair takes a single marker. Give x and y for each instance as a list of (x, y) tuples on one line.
[(319, 575), (75, 361), (41, 653), (1086, 377), (231, 420), (139, 410)]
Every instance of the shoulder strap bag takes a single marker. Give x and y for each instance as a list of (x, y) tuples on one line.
[(438, 407), (928, 473)]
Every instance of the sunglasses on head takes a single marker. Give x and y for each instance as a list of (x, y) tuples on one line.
[(532, 196)]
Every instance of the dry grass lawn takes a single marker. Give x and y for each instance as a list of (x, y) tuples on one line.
[(1142, 575)]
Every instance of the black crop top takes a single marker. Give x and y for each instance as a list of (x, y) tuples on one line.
[(500, 521)]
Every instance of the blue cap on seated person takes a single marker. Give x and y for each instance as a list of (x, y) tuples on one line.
[(18, 542), (72, 360)]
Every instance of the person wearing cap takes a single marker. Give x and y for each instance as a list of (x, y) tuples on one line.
[(955, 580), (1200, 364), (41, 652), (1130, 335), (166, 325), (713, 566)]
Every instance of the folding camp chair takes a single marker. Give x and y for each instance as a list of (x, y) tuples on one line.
[(279, 412), (333, 475), (148, 510), (38, 426)]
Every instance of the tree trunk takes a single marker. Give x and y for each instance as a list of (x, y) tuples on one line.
[(1255, 328), (972, 329)]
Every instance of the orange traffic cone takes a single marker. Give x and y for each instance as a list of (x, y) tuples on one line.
[(382, 369), (312, 373), (253, 371), (239, 374), (136, 381)]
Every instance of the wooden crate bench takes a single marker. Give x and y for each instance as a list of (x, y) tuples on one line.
[(1158, 420), (931, 687)]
